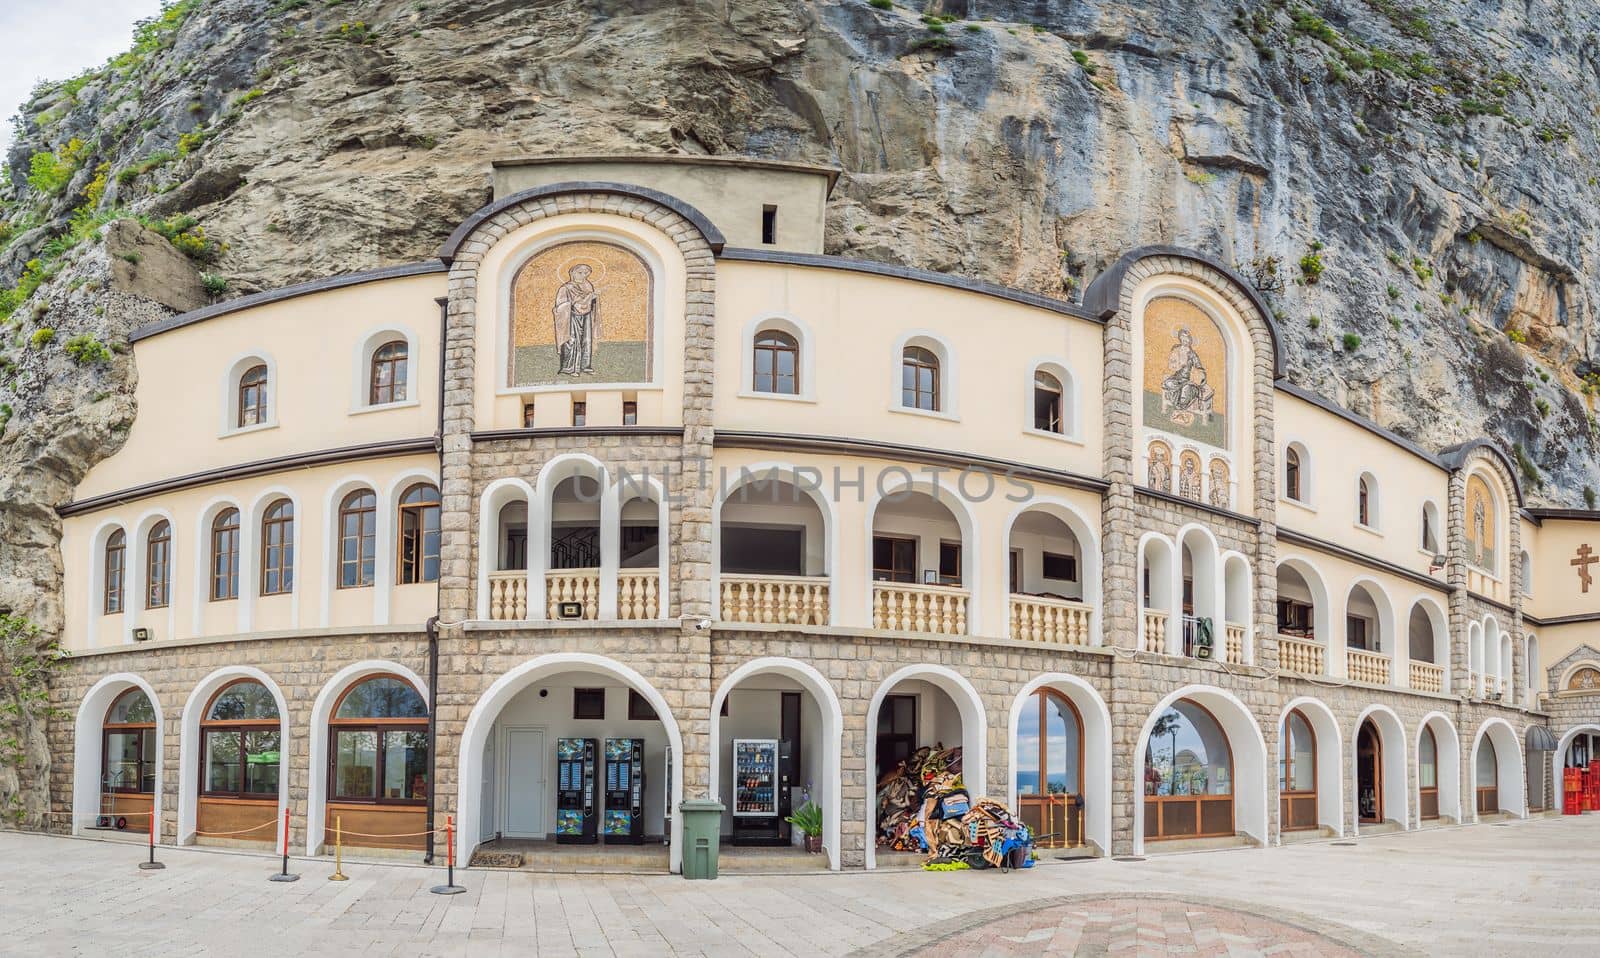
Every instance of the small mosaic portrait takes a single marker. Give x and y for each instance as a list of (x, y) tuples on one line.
[(1189, 478), (581, 313), (1185, 372), (1160, 467), (1220, 485), (1480, 524)]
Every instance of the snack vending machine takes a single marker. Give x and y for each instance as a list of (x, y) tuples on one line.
[(575, 797), (624, 812), (761, 780)]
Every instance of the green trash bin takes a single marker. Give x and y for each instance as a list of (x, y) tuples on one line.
[(702, 836)]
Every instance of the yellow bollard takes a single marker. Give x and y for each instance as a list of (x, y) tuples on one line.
[(338, 851)]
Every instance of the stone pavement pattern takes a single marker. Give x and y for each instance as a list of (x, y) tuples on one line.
[(1524, 889)]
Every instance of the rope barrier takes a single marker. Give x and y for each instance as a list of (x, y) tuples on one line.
[(243, 831)]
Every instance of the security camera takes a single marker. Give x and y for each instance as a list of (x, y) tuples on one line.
[(702, 625)]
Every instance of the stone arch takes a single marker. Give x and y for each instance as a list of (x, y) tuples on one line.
[(1447, 758), (1330, 759), (1246, 745), (1088, 545), (494, 699), (1206, 556), (1392, 741), (572, 465), (495, 497), (1498, 734), (1558, 761), (1238, 599), (1097, 774), (189, 745), (832, 737), (773, 470), (949, 496), (974, 735), (1160, 558), (1386, 642), (321, 712), (625, 489), (88, 746), (1321, 607), (1439, 625)]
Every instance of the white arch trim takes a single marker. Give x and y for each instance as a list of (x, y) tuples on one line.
[(540, 509), (387, 546), (1330, 760), (832, 801), (1245, 743), (1392, 741), (330, 546), (361, 369), (1447, 761), (189, 747), (250, 553), (974, 737), (321, 712), (806, 371), (1071, 401), (1088, 547), (1509, 778), (494, 699), (495, 497), (626, 489), (136, 562), (1321, 608), (88, 742), (949, 379), (204, 558), (242, 364), (1096, 722), (772, 469), (96, 610), (1558, 760), (950, 497), (1155, 546)]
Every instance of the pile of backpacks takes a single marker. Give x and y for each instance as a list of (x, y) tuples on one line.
[(923, 806)]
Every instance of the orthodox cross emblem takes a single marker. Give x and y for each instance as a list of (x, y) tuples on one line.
[(1585, 559)]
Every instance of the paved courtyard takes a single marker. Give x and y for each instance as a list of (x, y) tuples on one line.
[(1524, 889)]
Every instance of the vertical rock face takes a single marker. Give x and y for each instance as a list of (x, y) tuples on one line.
[(1412, 185)]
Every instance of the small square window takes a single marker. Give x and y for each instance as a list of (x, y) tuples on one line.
[(527, 415), (1060, 567), (589, 704), (639, 709), (630, 414), (580, 414), (949, 563), (769, 225)]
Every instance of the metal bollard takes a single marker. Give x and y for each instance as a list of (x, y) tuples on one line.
[(152, 864), (284, 875), (338, 850), (449, 887)]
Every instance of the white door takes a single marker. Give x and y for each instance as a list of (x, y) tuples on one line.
[(487, 825), (525, 783)]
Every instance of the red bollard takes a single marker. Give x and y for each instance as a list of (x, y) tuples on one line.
[(449, 887), (152, 864), (284, 875)]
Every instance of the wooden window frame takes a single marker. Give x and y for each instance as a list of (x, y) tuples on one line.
[(395, 356), (640, 709), (1045, 800), (580, 413), (278, 519), (1292, 480), (916, 360), (1288, 795), (411, 540), (1363, 502), (1425, 792), (775, 343), (158, 575), (953, 581), (1056, 422), (365, 538), (1377, 773), (630, 412), (114, 570), (1161, 801), (225, 574), (108, 728), (252, 395), (1071, 560), (578, 700), (887, 574), (887, 707), (380, 727), (208, 726)]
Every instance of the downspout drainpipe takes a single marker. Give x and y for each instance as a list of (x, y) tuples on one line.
[(433, 621)]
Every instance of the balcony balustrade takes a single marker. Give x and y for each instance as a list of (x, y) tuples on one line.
[(508, 595), (1299, 655), (936, 609), (1369, 667), (572, 585), (774, 599), (1055, 621), (1234, 639), (1427, 677), (1155, 631), (639, 594)]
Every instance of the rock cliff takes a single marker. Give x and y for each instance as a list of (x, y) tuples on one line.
[(1412, 185)]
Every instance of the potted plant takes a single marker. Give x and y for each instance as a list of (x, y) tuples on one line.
[(809, 820)]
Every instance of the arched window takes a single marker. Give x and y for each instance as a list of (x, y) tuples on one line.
[(277, 548), (919, 379), (776, 363), (1364, 500), (1585, 679), (1049, 403), (1428, 775), (253, 396), (1526, 568), (1297, 774), (1291, 475), (388, 381), (242, 741), (1050, 767), (1487, 776), (225, 555), (379, 744), (128, 755), (1188, 775), (1430, 529), (158, 566), (419, 534), (115, 562), (358, 536)]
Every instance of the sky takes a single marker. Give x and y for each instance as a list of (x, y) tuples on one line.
[(59, 39)]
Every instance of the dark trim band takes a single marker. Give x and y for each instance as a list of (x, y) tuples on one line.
[(1196, 504), (1332, 548), (1493, 603), (305, 460), (278, 295), (739, 439), (1456, 456), (713, 236), (674, 159), (546, 432), (1575, 619), (1577, 515), (1329, 406), (948, 280)]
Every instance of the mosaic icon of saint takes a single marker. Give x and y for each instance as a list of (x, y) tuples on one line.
[(577, 319), (1478, 522), (1160, 469), (1189, 477), (1186, 395)]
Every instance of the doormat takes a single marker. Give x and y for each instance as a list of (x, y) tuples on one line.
[(496, 860)]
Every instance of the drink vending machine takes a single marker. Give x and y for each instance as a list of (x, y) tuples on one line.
[(762, 775), (575, 798), (624, 812)]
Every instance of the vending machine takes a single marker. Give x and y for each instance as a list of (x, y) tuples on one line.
[(624, 811), (576, 811), (761, 780)]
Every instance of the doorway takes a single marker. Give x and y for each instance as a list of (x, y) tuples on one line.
[(525, 783), (1369, 775)]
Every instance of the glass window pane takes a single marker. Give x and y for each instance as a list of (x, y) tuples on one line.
[(243, 700), (1061, 752), (355, 764), (222, 761), (405, 765), (1303, 742), (1488, 773), (261, 760), (1427, 761), (1187, 754), (132, 708), (123, 754), (1028, 772), (382, 697)]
